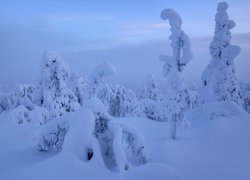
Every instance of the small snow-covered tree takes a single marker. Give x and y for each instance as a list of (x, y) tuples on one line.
[(153, 109), (152, 89), (54, 93), (124, 102), (150, 102), (27, 93), (10, 97), (97, 87), (78, 85), (219, 82), (179, 98)]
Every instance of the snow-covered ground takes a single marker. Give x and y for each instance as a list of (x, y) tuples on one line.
[(216, 146)]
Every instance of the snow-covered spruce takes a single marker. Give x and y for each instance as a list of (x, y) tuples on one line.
[(150, 102), (12, 96), (119, 101), (79, 87), (152, 89), (153, 110), (54, 93), (179, 98), (97, 87), (219, 82), (124, 102)]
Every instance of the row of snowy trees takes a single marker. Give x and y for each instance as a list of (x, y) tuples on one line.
[(59, 90)]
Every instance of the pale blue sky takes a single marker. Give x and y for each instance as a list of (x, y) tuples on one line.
[(99, 23), (73, 27)]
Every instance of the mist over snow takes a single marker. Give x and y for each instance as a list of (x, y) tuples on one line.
[(124, 90), (133, 62)]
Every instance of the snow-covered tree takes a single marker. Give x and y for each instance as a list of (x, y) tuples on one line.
[(150, 102), (97, 86), (124, 102), (121, 145), (219, 82), (78, 85), (152, 89), (53, 91), (179, 98), (153, 109), (27, 95), (90, 133), (10, 97)]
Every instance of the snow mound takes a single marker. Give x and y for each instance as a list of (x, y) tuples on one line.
[(211, 111), (97, 107)]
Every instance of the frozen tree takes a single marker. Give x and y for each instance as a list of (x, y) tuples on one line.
[(180, 42), (151, 98), (152, 89), (90, 133), (54, 93), (27, 96), (18, 101), (179, 98), (219, 82), (10, 97), (121, 145), (97, 87), (124, 102), (78, 85), (105, 94), (153, 110)]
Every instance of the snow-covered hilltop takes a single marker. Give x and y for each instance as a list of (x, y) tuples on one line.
[(71, 127)]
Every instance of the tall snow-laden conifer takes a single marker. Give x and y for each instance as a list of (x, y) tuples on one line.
[(179, 98), (219, 82)]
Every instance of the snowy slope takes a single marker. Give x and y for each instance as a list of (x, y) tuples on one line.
[(215, 147)]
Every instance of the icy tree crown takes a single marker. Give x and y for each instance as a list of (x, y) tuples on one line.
[(180, 42), (222, 33), (54, 70), (174, 18)]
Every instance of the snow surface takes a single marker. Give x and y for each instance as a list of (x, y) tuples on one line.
[(216, 147)]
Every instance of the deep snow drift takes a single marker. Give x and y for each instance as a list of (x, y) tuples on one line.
[(215, 146)]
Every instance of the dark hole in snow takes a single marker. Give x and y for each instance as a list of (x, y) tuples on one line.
[(126, 167), (90, 154)]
